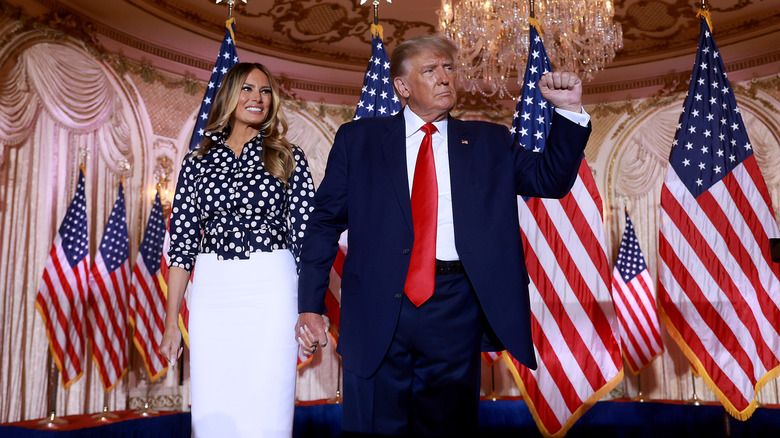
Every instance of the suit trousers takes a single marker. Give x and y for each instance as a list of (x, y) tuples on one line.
[(428, 383)]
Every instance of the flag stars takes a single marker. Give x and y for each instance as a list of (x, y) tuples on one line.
[(707, 133), (717, 169), (748, 146), (689, 145), (695, 113), (692, 129), (704, 149), (697, 96), (540, 120), (686, 162), (701, 81), (713, 101), (702, 166), (734, 126), (719, 152), (539, 135)]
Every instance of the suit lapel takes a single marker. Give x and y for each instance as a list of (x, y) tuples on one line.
[(394, 146), (460, 146)]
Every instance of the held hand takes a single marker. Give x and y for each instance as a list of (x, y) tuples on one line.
[(563, 90), (312, 332), (170, 346)]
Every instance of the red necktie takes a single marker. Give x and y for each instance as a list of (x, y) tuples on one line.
[(425, 202)]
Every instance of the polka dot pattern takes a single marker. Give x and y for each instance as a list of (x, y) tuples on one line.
[(232, 206)]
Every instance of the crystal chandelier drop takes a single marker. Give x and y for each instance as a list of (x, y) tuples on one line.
[(492, 38)]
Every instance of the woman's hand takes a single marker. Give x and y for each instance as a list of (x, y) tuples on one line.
[(170, 346)]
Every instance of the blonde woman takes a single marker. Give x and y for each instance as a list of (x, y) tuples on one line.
[(241, 205)]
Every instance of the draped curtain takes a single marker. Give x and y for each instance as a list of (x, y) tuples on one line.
[(59, 109), (59, 104)]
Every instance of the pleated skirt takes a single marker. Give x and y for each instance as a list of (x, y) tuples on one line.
[(243, 350)]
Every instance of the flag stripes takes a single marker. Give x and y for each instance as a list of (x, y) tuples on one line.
[(573, 323), (148, 319), (107, 295), (63, 288), (719, 289), (734, 311), (147, 300), (60, 302), (632, 293)]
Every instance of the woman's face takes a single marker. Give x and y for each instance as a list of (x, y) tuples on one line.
[(254, 102)]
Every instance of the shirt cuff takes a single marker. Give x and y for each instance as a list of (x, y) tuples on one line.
[(581, 119)]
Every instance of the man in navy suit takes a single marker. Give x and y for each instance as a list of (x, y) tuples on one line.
[(412, 325)]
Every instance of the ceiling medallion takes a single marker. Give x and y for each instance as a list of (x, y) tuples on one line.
[(492, 38)]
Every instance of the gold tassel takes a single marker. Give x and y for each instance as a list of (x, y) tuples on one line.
[(535, 23), (706, 15), (376, 29), (228, 23)]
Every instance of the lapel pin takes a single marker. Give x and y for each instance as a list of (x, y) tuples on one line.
[(464, 142)]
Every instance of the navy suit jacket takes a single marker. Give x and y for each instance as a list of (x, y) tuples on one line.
[(366, 189)]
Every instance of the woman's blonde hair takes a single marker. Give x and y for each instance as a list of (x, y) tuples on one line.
[(277, 151)]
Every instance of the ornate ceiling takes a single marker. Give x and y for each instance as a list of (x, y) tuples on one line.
[(322, 45)]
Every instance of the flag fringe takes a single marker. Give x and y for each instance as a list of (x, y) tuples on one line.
[(152, 377), (65, 385), (636, 372), (586, 405), (742, 415), (100, 370)]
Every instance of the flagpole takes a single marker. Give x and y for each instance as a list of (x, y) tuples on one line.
[(52, 420), (694, 400), (105, 414), (640, 397)]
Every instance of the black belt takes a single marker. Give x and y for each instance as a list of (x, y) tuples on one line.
[(449, 267)]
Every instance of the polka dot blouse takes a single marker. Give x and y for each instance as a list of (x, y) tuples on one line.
[(232, 206)]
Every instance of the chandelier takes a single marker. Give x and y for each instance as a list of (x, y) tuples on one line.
[(492, 38)]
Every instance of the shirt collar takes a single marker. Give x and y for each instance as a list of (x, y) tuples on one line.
[(414, 123), (220, 136)]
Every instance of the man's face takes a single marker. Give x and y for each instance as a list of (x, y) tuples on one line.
[(428, 85)]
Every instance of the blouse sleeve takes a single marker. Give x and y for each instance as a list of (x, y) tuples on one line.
[(185, 226), (301, 202)]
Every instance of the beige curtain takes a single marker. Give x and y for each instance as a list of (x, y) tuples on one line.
[(59, 109), (57, 103)]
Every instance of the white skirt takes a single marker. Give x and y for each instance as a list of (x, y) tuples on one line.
[(243, 350)]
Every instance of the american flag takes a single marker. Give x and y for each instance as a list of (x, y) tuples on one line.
[(227, 58), (147, 300), (108, 285), (377, 98), (573, 321), (633, 294), (60, 299), (719, 288)]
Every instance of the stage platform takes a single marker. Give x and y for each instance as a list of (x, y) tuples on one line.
[(501, 418)]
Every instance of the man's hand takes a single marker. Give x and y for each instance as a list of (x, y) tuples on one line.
[(563, 90), (312, 332)]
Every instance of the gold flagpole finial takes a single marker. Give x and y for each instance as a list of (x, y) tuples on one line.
[(230, 6)]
